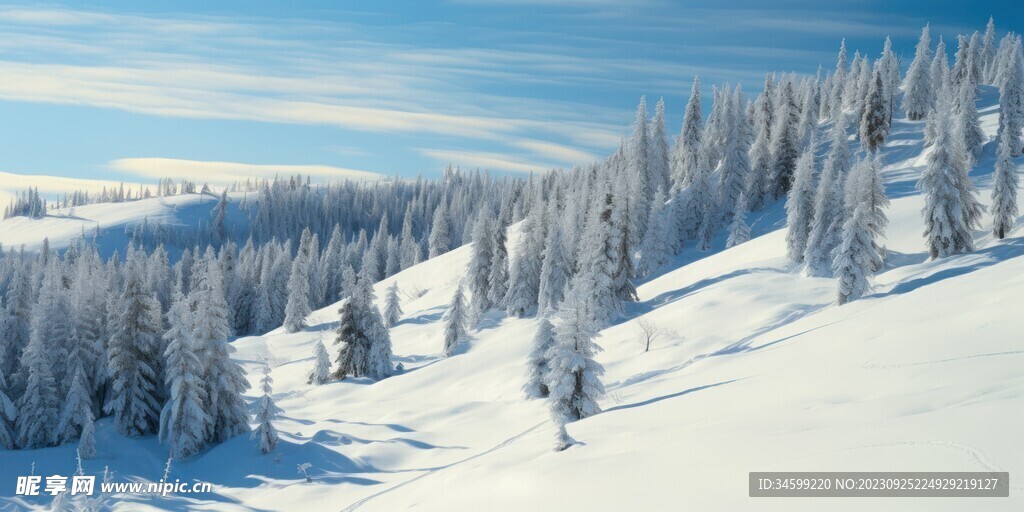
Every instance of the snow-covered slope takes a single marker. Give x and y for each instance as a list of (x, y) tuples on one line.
[(113, 221), (755, 370)]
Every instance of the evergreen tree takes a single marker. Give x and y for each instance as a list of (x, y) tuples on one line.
[(524, 275), (536, 385), (785, 148), (639, 175), (739, 231), (87, 439), (1004, 191), (874, 125), (409, 248), (574, 377), (658, 160), (184, 418), (966, 125), (684, 154), (266, 413), (8, 416), (828, 206), (499, 276), (556, 267), (321, 373), (734, 168), (76, 409), (455, 323), (800, 206), (38, 407), (298, 307), (855, 257), (224, 379), (392, 306), (919, 93), (134, 354), (479, 272), (1011, 103), (656, 247), (365, 343), (946, 230), (440, 240)]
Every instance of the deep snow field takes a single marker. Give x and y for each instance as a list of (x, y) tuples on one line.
[(755, 369)]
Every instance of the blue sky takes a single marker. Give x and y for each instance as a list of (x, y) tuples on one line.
[(138, 90)]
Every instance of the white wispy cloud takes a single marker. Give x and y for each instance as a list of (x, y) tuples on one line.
[(485, 160), (227, 172)]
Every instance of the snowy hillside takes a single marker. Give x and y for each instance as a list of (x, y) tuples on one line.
[(754, 369), (112, 222)]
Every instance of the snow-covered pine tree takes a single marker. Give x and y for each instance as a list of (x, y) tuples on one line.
[(988, 52), (800, 205), (734, 169), (321, 373), (524, 274), (856, 257), (940, 83), (825, 231), (440, 240), (684, 153), (134, 358), (556, 269), (76, 409), (574, 377), (8, 414), (184, 418), (889, 66), (409, 248), (739, 230), (365, 343), (808, 126), (760, 166), (638, 176), (946, 230), (657, 244), (536, 385), (919, 94), (969, 138), (87, 439), (479, 271), (298, 307), (658, 159), (874, 124), (785, 148), (38, 406), (352, 351), (266, 413), (1011, 102), (1004, 191), (839, 80), (392, 306), (499, 274), (455, 323), (224, 379)]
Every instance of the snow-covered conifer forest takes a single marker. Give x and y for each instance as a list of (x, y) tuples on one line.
[(819, 272)]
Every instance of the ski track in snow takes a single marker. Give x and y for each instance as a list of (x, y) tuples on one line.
[(432, 471)]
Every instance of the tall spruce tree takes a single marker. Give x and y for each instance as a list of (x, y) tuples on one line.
[(919, 94), (574, 377), (684, 154), (536, 385), (392, 306), (800, 205), (1004, 191), (824, 236), (184, 418), (266, 413), (946, 230), (455, 323)]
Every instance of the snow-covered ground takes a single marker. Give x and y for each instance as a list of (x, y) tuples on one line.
[(755, 369)]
